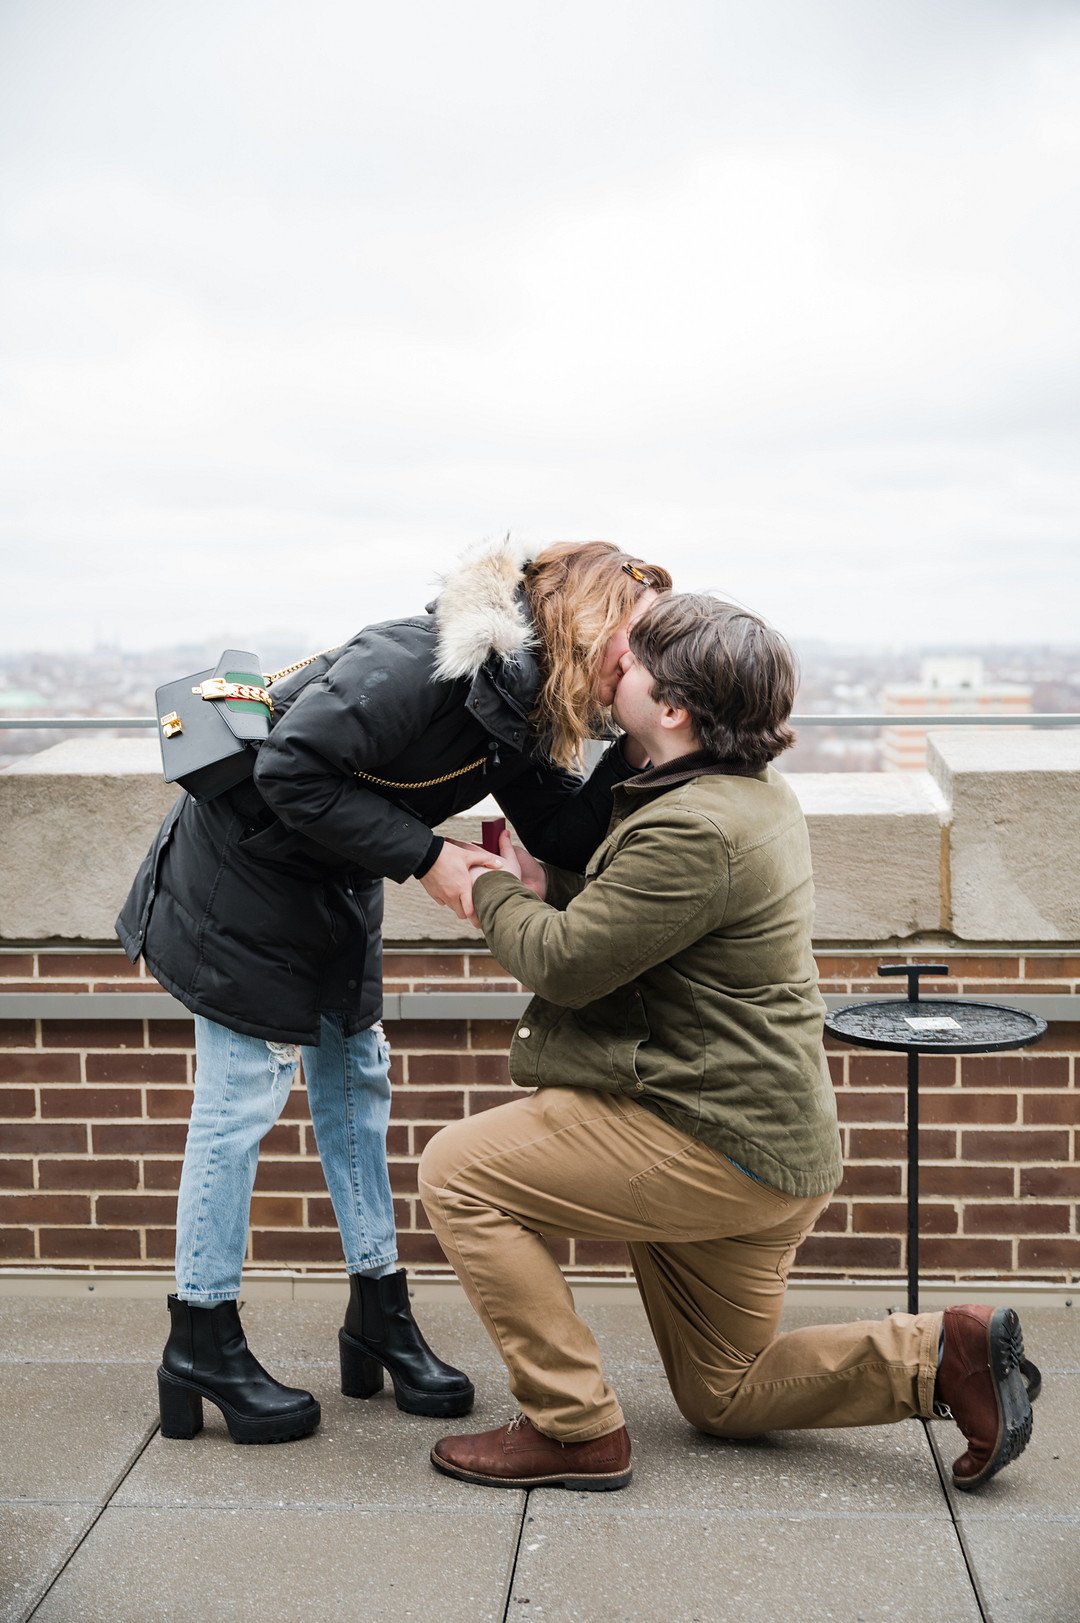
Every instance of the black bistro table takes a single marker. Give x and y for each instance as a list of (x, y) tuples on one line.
[(914, 1026)]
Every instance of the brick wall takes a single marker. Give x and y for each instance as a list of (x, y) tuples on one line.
[(93, 1112)]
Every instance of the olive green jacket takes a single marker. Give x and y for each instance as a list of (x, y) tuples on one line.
[(678, 971)]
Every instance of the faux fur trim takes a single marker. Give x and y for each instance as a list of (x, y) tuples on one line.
[(479, 612)]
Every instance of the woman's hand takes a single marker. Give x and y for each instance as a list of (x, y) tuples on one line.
[(449, 880)]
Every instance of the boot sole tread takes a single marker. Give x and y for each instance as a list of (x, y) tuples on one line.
[(408, 1399), (242, 1429), (1008, 1367), (593, 1482)]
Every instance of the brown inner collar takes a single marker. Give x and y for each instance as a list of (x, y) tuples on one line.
[(695, 764)]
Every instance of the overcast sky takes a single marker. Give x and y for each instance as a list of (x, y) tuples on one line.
[(299, 300)]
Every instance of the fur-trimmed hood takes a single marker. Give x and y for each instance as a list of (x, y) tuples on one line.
[(481, 611)]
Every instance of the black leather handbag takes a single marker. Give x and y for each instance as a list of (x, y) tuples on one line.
[(212, 723)]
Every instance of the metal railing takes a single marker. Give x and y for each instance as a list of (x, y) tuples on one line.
[(1036, 719)]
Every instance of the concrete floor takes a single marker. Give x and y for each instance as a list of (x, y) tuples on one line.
[(101, 1518)]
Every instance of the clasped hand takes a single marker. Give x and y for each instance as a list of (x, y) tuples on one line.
[(517, 861), (450, 879)]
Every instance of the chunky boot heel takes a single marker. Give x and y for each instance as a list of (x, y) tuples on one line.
[(207, 1356), (180, 1408), (381, 1333), (361, 1375)]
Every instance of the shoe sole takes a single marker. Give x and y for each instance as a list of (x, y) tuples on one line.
[(362, 1377), (592, 1483), (1008, 1367), (242, 1428)]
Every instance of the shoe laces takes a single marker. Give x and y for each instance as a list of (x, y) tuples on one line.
[(518, 1421)]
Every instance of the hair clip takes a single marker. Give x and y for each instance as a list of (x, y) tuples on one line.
[(637, 574)]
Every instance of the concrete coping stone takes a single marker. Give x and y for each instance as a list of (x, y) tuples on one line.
[(981, 846)]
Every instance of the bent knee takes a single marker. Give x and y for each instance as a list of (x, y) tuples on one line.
[(703, 1414), (705, 1409), (441, 1158)]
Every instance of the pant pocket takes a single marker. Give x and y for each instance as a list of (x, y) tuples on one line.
[(668, 1194)]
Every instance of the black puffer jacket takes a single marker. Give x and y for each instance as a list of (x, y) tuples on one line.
[(262, 909)]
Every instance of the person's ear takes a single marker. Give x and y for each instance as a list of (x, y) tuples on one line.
[(673, 717)]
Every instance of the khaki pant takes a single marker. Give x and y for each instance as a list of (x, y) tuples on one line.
[(711, 1249)]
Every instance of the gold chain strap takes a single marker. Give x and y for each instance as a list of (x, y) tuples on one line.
[(384, 783), (428, 783), (300, 663)]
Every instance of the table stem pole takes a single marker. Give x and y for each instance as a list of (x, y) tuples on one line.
[(913, 1182)]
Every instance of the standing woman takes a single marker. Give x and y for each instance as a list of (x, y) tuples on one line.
[(261, 911)]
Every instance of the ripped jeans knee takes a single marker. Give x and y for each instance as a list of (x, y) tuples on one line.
[(284, 1060), (242, 1085)]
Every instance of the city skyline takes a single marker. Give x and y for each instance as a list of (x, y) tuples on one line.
[(834, 682)]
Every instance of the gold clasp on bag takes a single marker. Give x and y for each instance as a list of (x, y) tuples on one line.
[(171, 724)]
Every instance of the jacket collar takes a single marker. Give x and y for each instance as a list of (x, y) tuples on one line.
[(695, 764), (482, 611), (484, 633)]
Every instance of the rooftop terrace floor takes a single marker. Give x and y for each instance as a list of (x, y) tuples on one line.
[(101, 1518)]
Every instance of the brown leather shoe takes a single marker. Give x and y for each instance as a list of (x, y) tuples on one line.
[(519, 1456), (979, 1383)]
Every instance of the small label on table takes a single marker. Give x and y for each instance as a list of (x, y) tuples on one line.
[(937, 1022)]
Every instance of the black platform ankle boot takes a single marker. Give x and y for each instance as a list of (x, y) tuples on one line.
[(207, 1356), (380, 1333)]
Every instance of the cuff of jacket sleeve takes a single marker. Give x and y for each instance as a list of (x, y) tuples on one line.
[(430, 857), (490, 888)]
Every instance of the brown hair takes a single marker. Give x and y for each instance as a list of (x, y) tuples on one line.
[(579, 594), (734, 675)]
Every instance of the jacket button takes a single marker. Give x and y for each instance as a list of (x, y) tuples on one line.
[(524, 1031), (351, 985), (348, 892)]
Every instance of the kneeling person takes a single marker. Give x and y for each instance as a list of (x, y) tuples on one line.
[(683, 1104)]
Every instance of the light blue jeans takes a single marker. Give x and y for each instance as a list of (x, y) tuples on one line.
[(241, 1085)]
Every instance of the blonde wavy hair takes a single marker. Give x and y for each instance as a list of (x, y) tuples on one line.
[(579, 594)]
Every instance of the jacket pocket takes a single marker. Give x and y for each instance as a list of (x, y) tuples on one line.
[(269, 843), (624, 1049)]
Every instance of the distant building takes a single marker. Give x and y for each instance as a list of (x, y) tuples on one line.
[(949, 685), (23, 702)]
